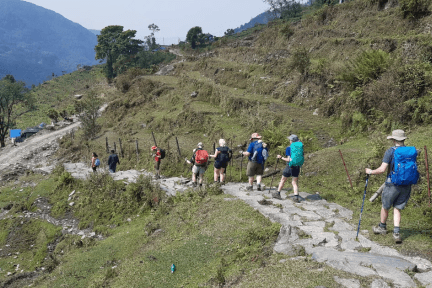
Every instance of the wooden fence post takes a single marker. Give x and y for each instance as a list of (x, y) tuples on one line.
[(349, 178), (115, 148), (106, 144), (137, 150), (121, 148)]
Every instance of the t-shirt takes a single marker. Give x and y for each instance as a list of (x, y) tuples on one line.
[(158, 153), (288, 151), (251, 149), (388, 158)]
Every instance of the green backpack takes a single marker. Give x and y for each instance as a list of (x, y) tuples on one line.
[(297, 158)]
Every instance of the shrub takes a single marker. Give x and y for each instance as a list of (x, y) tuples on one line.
[(286, 31), (414, 9), (300, 60), (366, 67)]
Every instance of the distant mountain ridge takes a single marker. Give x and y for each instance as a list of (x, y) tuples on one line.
[(262, 18), (94, 31), (36, 42)]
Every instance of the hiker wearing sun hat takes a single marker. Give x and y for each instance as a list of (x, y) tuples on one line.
[(401, 174), (199, 161), (158, 156), (257, 152)]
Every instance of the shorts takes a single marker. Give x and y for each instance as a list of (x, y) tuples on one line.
[(198, 169), (254, 168), (94, 168), (219, 165), (157, 165), (291, 171), (396, 196)]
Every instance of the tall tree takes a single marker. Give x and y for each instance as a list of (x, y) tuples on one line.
[(114, 42), (193, 35), (13, 95)]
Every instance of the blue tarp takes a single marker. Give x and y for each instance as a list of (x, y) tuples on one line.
[(15, 133)]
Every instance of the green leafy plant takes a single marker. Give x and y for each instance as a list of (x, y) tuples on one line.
[(414, 9)]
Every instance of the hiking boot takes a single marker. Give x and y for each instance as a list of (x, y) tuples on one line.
[(259, 187), (379, 230), (397, 238), (194, 184), (277, 195), (296, 199), (249, 188)]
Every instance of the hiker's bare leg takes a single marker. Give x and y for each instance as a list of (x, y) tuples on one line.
[(282, 183), (201, 176), (194, 176), (396, 217), (216, 174), (259, 178), (295, 185), (384, 215), (222, 175), (251, 179)]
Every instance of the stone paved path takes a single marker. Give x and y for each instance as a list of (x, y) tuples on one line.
[(319, 227)]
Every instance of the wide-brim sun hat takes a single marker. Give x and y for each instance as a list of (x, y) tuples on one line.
[(293, 138), (153, 147), (255, 136), (200, 145), (398, 135)]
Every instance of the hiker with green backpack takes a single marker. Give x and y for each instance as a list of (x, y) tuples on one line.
[(199, 161), (401, 162), (222, 157), (295, 159)]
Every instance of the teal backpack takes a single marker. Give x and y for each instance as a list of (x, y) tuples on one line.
[(297, 158)]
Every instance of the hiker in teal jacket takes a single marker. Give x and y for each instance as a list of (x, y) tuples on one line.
[(292, 168)]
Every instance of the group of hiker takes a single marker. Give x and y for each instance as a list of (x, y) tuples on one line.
[(399, 161)]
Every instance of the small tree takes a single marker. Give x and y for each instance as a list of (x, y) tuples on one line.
[(229, 32), (154, 28), (12, 93), (89, 115), (193, 36)]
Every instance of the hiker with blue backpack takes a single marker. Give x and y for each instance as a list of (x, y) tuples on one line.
[(258, 154), (95, 162), (400, 161), (222, 157), (294, 157)]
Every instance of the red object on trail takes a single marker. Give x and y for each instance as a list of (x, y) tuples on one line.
[(427, 173), (349, 178)]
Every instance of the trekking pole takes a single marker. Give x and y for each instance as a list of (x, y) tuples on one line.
[(349, 178), (241, 166), (271, 183), (231, 162), (361, 211), (427, 174), (154, 139)]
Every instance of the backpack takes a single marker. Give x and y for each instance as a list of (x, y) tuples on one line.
[(405, 166), (297, 157), (97, 162), (201, 157), (162, 152), (260, 154), (224, 155)]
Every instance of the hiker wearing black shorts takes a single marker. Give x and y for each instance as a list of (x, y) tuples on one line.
[(290, 170), (392, 195), (222, 157)]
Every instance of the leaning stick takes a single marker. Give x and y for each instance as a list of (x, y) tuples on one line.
[(154, 139), (349, 178)]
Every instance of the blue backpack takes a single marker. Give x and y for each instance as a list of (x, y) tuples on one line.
[(97, 162), (260, 154), (405, 166), (297, 158)]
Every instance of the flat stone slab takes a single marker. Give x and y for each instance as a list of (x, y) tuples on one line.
[(379, 283), (424, 278), (348, 283)]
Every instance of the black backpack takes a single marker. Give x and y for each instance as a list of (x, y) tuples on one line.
[(224, 155), (162, 152)]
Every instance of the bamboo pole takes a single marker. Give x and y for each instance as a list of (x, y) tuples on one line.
[(427, 174), (349, 178)]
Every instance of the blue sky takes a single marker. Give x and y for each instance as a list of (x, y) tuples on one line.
[(174, 17)]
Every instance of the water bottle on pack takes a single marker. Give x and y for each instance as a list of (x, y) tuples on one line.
[(173, 268)]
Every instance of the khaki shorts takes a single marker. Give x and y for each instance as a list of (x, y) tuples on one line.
[(198, 169), (254, 168)]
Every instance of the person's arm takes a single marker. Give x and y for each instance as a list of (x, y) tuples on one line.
[(249, 150), (215, 155), (286, 159), (379, 170)]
